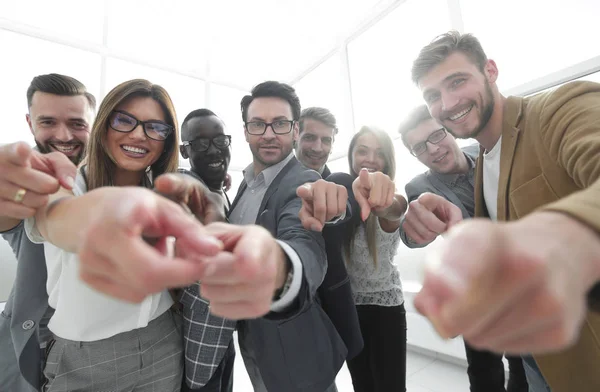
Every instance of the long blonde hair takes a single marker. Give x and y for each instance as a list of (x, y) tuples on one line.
[(389, 158), (100, 166)]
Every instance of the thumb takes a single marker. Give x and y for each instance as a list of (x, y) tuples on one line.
[(305, 192)]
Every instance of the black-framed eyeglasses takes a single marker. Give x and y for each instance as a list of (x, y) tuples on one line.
[(202, 144), (279, 127), (124, 122), (434, 138)]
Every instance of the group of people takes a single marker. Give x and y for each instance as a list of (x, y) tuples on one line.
[(133, 274)]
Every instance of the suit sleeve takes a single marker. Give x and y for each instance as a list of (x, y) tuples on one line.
[(307, 244), (570, 133), (413, 191)]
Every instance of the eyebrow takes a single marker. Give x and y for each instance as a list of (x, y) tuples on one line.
[(274, 119), (131, 115), (446, 79)]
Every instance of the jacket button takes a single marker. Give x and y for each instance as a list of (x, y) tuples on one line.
[(27, 325)]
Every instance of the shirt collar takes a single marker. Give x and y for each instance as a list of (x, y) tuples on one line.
[(452, 179), (268, 173)]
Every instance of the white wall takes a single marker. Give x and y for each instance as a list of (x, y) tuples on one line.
[(8, 268)]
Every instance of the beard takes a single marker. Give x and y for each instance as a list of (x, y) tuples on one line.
[(45, 149), (484, 117)]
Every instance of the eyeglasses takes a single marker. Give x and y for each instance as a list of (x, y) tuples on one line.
[(434, 138), (202, 144), (279, 127), (125, 122)]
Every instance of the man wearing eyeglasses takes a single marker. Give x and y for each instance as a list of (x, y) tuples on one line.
[(207, 147), (209, 347), (295, 347), (451, 175)]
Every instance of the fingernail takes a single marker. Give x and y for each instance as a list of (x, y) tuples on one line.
[(315, 227), (210, 270), (70, 181)]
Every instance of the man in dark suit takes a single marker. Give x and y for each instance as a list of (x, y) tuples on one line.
[(316, 134), (451, 175), (295, 347)]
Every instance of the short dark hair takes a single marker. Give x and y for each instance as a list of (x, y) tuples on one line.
[(197, 113), (443, 46), (58, 85), (318, 114), (414, 118), (272, 89)]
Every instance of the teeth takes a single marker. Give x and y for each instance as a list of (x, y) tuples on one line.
[(64, 148), (215, 164), (440, 158), (137, 150), (460, 114)]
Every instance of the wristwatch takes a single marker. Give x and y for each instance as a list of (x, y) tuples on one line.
[(286, 285)]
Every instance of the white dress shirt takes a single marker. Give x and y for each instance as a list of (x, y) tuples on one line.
[(82, 313)]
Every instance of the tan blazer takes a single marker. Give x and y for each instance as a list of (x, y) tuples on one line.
[(550, 160)]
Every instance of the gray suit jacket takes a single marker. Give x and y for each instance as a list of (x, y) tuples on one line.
[(429, 182), (20, 353), (299, 349)]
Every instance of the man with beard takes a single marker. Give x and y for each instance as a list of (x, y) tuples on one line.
[(451, 175), (528, 285), (61, 112), (294, 347), (209, 347), (316, 134)]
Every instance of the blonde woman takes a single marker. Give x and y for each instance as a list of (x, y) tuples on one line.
[(102, 343), (369, 248)]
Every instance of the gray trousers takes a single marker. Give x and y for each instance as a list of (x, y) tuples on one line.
[(145, 359)]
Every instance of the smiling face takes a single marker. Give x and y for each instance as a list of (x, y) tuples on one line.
[(314, 144), (60, 123), (459, 95), (442, 157), (367, 154), (211, 164), (134, 151)]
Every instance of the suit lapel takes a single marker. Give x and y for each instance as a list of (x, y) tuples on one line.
[(274, 185), (510, 138), (480, 207)]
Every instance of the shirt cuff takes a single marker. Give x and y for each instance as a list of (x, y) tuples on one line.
[(290, 295), (336, 219), (32, 231)]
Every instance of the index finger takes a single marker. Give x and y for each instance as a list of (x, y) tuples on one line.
[(428, 218)]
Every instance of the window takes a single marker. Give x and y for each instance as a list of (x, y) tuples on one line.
[(25, 58), (546, 35), (326, 87), (381, 59), (380, 64)]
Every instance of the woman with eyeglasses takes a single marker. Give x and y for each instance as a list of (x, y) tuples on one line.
[(369, 248), (102, 343)]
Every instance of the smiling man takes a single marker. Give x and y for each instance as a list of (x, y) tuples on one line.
[(451, 175), (317, 130), (59, 121), (207, 147)]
